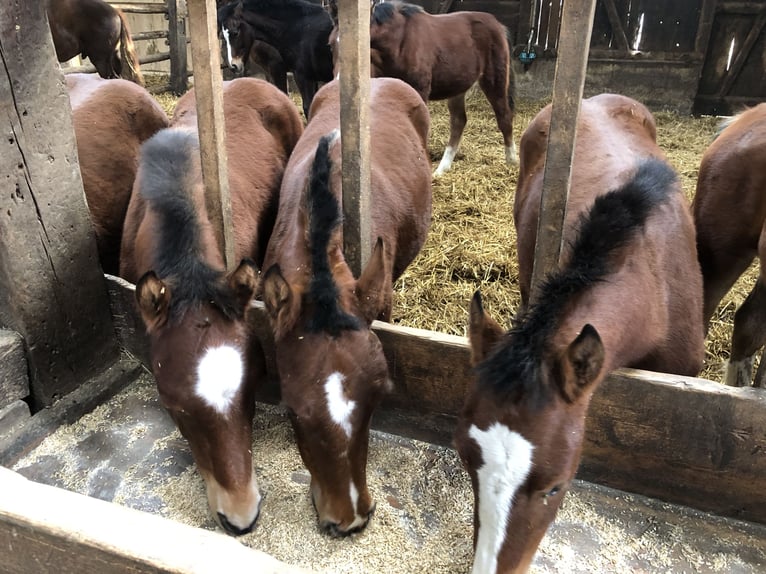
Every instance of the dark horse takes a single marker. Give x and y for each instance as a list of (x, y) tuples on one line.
[(204, 356), (297, 30), (111, 118), (442, 56), (730, 215), (628, 293), (331, 365), (97, 31)]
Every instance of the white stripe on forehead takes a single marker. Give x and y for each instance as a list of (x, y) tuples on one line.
[(507, 461), (219, 376), (339, 406), (225, 32)]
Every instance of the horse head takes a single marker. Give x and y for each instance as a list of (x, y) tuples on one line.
[(520, 434), (331, 365), (237, 35)]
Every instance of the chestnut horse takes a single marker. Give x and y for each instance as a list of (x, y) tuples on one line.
[(331, 365), (730, 215), (111, 118), (97, 31), (204, 358), (628, 293), (442, 56), (297, 30)]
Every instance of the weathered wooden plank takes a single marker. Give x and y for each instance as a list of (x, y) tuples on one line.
[(208, 89), (680, 439), (618, 31), (177, 13), (568, 82), (354, 62), (141, 7), (47, 529), (743, 53), (52, 291)]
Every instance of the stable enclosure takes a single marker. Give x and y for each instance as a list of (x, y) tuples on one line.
[(75, 345)]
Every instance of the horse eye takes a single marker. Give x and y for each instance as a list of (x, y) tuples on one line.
[(553, 491)]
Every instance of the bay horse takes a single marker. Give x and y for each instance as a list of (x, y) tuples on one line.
[(97, 31), (730, 215), (111, 119), (331, 365), (628, 294), (298, 30), (442, 56), (205, 359)]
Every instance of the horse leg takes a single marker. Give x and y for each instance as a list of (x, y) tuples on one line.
[(749, 335), (457, 121), (307, 88), (499, 93)]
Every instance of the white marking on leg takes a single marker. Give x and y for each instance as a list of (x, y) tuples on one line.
[(219, 376), (446, 162), (339, 406), (354, 493), (225, 32), (511, 158), (739, 373), (507, 461)]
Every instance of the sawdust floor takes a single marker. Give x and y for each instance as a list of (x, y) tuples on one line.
[(127, 451)]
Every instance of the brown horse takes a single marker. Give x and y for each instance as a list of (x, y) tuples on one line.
[(204, 358), (95, 30), (111, 118), (629, 293), (442, 56), (331, 365), (730, 215)]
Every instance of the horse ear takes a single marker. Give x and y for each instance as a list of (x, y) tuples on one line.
[(373, 288), (244, 281), (483, 330), (582, 364), (281, 304), (153, 297)]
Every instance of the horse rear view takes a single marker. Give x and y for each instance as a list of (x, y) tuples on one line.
[(730, 215), (97, 31), (205, 359), (331, 365), (442, 56), (111, 118), (628, 293)]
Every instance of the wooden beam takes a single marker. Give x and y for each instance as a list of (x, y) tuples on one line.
[(568, 82), (618, 31), (52, 290), (354, 62), (177, 13), (743, 53), (48, 529), (704, 28), (208, 89)]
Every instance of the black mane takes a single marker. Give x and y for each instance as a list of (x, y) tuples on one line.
[(385, 11), (324, 218), (166, 163), (512, 370)]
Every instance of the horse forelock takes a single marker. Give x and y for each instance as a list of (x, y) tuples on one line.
[(324, 218), (513, 369), (167, 160)]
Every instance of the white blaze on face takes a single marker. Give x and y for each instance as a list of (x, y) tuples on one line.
[(225, 32), (339, 406), (358, 520), (507, 461), (219, 377)]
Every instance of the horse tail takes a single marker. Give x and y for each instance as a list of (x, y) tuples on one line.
[(131, 69), (511, 75), (324, 217)]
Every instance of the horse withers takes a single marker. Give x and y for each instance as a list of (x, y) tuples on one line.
[(730, 215), (205, 359), (111, 119), (442, 56), (331, 365), (97, 31), (297, 30), (628, 294)]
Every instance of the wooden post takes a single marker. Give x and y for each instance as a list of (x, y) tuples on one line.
[(52, 290), (618, 30), (176, 15), (208, 88), (354, 61), (568, 81)]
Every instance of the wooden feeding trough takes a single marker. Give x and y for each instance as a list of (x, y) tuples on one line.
[(681, 440)]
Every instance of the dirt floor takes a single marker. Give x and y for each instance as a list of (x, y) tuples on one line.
[(472, 241), (128, 451)]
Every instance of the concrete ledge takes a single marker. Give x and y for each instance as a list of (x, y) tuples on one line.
[(13, 417)]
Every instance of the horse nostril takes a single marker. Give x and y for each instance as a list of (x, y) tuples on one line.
[(235, 530), (332, 529)]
